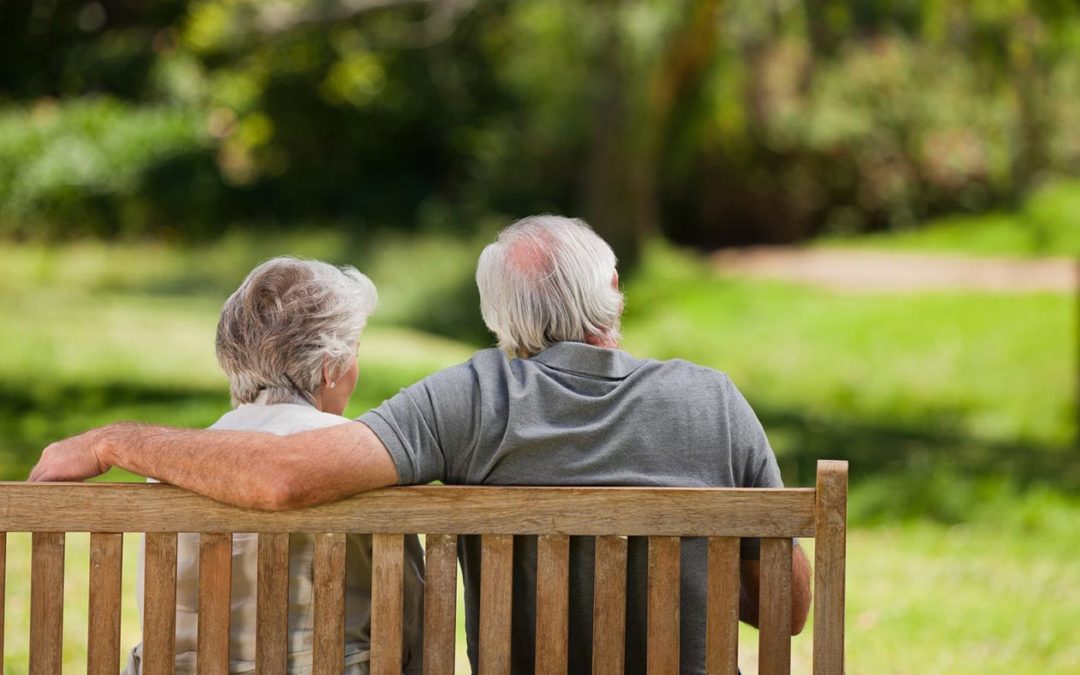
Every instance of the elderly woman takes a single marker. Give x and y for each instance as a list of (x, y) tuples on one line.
[(287, 341)]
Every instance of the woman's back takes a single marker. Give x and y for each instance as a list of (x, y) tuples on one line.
[(288, 418)]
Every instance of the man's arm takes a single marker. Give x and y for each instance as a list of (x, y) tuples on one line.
[(750, 589), (242, 468)]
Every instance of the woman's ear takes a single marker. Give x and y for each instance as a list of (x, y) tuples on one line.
[(327, 376)]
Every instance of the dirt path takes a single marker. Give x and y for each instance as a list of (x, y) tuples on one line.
[(855, 270)]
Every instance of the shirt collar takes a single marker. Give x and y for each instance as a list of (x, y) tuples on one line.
[(578, 357)]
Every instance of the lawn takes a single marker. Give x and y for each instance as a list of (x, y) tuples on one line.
[(956, 409), (1045, 225)]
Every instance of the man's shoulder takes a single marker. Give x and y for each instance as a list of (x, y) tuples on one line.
[(678, 368)]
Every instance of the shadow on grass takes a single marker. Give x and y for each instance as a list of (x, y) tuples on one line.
[(931, 471)]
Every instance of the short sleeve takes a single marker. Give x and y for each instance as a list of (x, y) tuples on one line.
[(750, 448), (752, 454), (426, 421)]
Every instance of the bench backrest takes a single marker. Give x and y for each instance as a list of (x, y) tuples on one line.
[(441, 513)]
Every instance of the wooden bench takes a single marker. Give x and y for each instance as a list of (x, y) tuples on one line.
[(440, 512)]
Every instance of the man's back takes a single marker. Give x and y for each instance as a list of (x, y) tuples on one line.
[(579, 415)]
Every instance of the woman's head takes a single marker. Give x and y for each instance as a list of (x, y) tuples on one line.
[(291, 329)]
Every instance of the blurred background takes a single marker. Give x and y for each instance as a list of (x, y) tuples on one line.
[(866, 212)]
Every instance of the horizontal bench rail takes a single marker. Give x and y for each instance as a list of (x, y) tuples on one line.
[(499, 514), (627, 511)]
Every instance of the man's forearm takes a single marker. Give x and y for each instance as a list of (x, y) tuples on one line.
[(750, 588), (250, 469)]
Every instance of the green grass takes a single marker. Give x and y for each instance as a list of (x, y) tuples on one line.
[(923, 386), (957, 411), (1047, 225)]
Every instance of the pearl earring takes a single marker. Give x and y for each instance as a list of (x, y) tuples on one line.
[(333, 384)]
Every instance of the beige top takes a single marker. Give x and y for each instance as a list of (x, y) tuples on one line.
[(288, 418)]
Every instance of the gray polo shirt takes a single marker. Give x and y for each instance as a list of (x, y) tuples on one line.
[(579, 415)]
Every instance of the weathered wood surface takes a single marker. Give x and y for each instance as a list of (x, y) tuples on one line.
[(3, 593), (215, 585), (106, 573), (722, 608), (609, 606), (46, 602), (496, 589), (329, 591), (272, 606), (662, 514), (774, 636), (159, 603), (37, 507), (440, 603), (388, 560), (552, 603), (663, 622), (829, 567)]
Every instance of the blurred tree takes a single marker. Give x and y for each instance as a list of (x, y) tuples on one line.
[(716, 122)]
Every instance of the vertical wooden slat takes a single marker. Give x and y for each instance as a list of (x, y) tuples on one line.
[(440, 603), (46, 602), (829, 551), (663, 623), (722, 613), (159, 604), (106, 572), (609, 606), (215, 586), (496, 576), (272, 608), (774, 607), (3, 593), (552, 603), (388, 556), (329, 646)]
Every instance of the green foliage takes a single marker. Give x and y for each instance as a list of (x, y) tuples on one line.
[(97, 167), (183, 118), (1047, 225)]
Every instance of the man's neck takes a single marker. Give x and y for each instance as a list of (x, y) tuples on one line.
[(604, 341)]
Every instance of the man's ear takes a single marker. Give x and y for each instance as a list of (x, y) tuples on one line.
[(615, 279)]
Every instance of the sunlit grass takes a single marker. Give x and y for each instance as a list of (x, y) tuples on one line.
[(1045, 226)]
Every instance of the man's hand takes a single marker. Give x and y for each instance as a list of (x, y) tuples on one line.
[(76, 458)]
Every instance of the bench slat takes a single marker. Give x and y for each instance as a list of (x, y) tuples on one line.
[(272, 607), (329, 656), (496, 577), (687, 512), (722, 613), (829, 551), (440, 603), (159, 604), (774, 638), (388, 556), (609, 606), (3, 593), (46, 602), (663, 623), (552, 603), (106, 574), (215, 587)]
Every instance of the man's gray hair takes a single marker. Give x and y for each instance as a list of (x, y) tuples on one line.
[(288, 318), (548, 279)]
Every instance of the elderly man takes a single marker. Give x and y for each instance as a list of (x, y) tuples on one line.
[(562, 406)]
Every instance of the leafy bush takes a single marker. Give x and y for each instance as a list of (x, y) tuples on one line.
[(99, 166)]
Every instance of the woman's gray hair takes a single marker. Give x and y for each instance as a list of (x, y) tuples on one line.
[(548, 279), (288, 318)]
